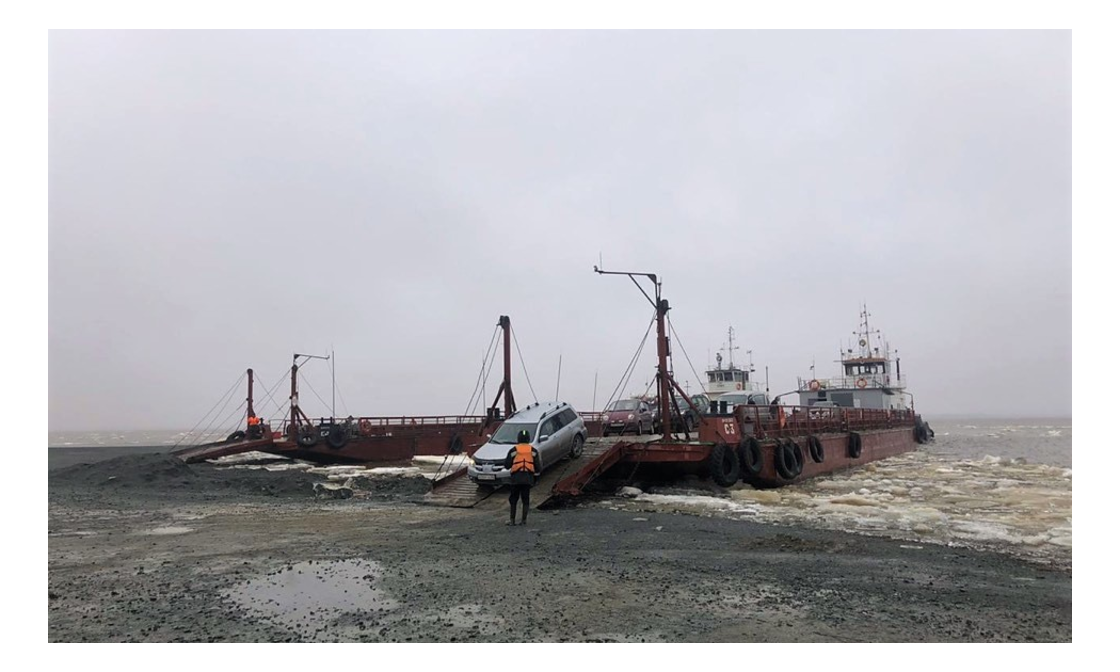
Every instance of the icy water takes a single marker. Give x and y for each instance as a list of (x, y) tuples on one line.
[(996, 485), (1004, 485)]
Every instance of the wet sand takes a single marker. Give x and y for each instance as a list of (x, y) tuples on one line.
[(144, 549)]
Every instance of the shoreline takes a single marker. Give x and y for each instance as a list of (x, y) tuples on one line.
[(191, 555)]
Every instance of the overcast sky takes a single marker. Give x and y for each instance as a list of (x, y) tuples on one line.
[(220, 200)]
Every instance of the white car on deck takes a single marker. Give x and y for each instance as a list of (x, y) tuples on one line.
[(555, 430)]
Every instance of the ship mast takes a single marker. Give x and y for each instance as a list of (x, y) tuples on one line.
[(293, 400), (731, 347), (662, 307), (864, 333), (665, 382)]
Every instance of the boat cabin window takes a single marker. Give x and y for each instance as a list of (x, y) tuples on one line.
[(865, 369)]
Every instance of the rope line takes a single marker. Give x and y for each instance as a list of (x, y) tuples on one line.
[(221, 399), (526, 371)]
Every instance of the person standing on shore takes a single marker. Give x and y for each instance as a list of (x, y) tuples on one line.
[(524, 464)]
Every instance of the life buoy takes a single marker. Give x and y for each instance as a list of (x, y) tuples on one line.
[(365, 427), (861, 383), (814, 385), (738, 386)]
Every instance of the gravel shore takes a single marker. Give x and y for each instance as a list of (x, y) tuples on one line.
[(144, 548)]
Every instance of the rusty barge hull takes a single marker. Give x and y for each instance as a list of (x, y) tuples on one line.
[(876, 444), (389, 443), (695, 457), (372, 441)]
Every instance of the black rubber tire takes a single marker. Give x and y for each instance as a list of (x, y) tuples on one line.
[(308, 437), (798, 456), (750, 457), (723, 465), (689, 424), (785, 462), (929, 431), (236, 436), (455, 445), (816, 449), (855, 445), (919, 434), (336, 437), (577, 447)]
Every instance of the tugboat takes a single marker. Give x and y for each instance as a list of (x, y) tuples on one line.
[(865, 380), (731, 379), (775, 445)]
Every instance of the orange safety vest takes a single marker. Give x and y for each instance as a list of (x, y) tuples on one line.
[(254, 420), (523, 460)]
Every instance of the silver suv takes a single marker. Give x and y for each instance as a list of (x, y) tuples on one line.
[(555, 430)]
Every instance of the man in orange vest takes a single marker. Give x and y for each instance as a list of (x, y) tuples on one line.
[(524, 464), (254, 427)]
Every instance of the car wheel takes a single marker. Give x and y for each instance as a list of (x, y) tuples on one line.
[(577, 447)]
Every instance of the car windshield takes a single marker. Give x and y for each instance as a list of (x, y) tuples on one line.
[(624, 405), (507, 433)]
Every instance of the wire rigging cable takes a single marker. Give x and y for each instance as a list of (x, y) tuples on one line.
[(526, 371), (686, 358), (304, 379), (632, 365), (224, 399), (481, 371)]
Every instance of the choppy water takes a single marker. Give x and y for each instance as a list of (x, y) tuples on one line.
[(157, 438), (1039, 441), (996, 485)]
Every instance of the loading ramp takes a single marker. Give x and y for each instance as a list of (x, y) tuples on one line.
[(211, 451), (567, 478)]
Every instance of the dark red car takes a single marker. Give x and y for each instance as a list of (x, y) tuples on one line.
[(628, 415)]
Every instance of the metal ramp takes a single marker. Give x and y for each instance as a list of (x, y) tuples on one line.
[(567, 478), (457, 491), (215, 450)]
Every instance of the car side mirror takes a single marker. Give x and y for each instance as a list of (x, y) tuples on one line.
[(489, 436), (544, 437)]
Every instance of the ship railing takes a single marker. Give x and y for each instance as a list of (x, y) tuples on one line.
[(404, 420), (767, 422), (871, 380)]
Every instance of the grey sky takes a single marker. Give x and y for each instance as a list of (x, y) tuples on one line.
[(219, 200)]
